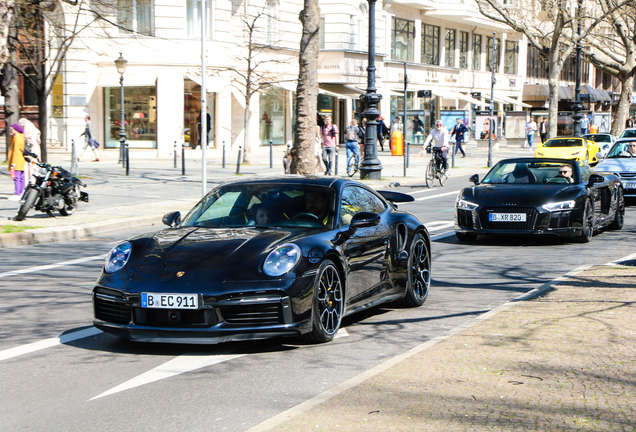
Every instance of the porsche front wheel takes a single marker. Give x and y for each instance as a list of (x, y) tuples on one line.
[(328, 304), (419, 273)]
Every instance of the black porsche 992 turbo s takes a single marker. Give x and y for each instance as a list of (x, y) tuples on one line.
[(263, 258), (540, 196)]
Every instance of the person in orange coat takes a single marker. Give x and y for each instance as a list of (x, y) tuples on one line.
[(15, 160)]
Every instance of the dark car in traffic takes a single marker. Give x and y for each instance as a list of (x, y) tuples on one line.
[(263, 258), (540, 196)]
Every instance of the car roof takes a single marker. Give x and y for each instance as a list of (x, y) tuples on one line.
[(538, 160), (297, 179)]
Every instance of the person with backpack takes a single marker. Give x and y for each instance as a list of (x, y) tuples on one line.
[(330, 144), (352, 134)]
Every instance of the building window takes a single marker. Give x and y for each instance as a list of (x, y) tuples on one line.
[(352, 31), (140, 114), (272, 115), (489, 54), (476, 52), (136, 16), (272, 22), (402, 37), (321, 33), (430, 44), (463, 50), (510, 58), (537, 65), (193, 17), (449, 45)]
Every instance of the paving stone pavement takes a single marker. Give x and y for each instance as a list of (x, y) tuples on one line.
[(565, 361)]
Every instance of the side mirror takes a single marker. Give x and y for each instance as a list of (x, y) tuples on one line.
[(172, 219), (364, 220), (599, 155), (595, 178), (474, 178)]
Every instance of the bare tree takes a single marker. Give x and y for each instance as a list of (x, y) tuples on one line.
[(613, 50), (6, 18), (303, 159), (551, 27)]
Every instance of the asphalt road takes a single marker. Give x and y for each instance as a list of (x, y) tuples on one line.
[(98, 382)]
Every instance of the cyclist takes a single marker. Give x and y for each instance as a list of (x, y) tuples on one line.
[(352, 134), (440, 137)]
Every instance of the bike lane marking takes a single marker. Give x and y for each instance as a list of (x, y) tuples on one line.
[(434, 196), (48, 343), (51, 266)]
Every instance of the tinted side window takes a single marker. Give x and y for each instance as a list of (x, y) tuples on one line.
[(585, 171), (356, 199)]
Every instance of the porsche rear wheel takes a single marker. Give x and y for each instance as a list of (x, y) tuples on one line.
[(328, 304), (619, 216), (587, 226), (430, 174), (419, 273)]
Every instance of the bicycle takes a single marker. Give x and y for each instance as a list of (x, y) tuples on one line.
[(353, 164), (432, 172)]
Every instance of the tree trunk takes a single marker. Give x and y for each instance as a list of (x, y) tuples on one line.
[(303, 157), (618, 123), (43, 121), (553, 98), (247, 148), (10, 86)]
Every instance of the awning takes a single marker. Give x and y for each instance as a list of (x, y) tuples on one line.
[(566, 94), (342, 91), (603, 95), (540, 93), (510, 101), (212, 84), (446, 94), (129, 81), (589, 93)]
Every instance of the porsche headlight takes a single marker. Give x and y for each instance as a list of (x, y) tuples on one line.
[(559, 206), (281, 260), (118, 257), (466, 205)]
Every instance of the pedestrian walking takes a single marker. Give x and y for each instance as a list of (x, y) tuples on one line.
[(531, 128), (352, 135), (15, 160), (89, 141), (383, 130), (543, 129), (459, 130), (585, 124), (31, 144), (330, 144), (630, 122)]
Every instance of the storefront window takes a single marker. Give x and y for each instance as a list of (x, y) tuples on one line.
[(192, 114), (272, 115), (140, 114), (325, 105)]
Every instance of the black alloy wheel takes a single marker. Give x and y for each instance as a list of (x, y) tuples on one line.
[(419, 273), (328, 304), (587, 226), (619, 215), (28, 202)]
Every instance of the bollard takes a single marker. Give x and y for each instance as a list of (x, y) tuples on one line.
[(175, 154), (408, 154), (127, 159), (406, 157), (238, 161), (183, 160), (336, 162), (271, 155), (74, 162), (453, 159), (223, 165)]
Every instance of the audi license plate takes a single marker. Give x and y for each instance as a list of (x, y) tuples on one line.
[(169, 301), (507, 217), (629, 185)]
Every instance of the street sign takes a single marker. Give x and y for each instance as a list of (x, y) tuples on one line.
[(424, 93)]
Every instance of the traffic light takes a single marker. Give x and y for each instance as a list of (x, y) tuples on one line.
[(424, 93)]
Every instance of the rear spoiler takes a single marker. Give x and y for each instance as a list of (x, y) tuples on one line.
[(396, 197)]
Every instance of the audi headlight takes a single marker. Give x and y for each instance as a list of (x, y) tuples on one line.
[(281, 260), (466, 205), (118, 257), (559, 206)]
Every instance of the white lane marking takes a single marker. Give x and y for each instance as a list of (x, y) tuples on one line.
[(620, 260), (436, 226), (51, 266), (341, 333), (421, 191), (323, 397), (442, 236), (48, 343), (435, 196), (184, 363)]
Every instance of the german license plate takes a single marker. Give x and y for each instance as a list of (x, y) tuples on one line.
[(629, 185), (169, 301), (507, 217)]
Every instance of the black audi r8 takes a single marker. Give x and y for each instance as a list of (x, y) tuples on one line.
[(540, 196), (262, 258)]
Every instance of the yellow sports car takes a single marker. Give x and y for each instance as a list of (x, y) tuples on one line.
[(569, 148)]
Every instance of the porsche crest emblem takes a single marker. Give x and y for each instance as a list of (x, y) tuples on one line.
[(179, 274)]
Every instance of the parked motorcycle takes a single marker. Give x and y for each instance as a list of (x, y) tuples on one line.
[(53, 189)]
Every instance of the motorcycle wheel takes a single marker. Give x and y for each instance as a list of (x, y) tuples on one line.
[(29, 200), (69, 209)]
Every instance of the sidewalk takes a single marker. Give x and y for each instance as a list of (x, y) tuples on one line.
[(563, 361), (155, 187)]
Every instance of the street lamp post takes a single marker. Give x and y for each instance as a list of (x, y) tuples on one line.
[(493, 80), (576, 116), (371, 168), (120, 63)]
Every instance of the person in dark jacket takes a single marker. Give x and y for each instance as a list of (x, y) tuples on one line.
[(382, 131), (459, 130)]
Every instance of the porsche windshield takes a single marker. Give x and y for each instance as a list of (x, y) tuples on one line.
[(563, 142), (264, 205), (531, 173), (623, 149)]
